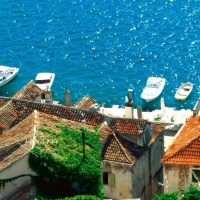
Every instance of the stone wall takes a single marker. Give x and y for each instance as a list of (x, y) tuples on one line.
[(121, 189)]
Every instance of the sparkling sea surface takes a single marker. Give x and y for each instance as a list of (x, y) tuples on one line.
[(103, 48)]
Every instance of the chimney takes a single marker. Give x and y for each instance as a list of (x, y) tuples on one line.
[(67, 98), (139, 112), (129, 104)]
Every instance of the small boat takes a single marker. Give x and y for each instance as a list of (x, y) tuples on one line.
[(7, 74), (153, 88), (183, 91), (44, 80)]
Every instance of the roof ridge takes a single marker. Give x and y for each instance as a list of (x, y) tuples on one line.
[(122, 147)]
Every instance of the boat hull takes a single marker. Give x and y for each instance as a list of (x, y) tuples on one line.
[(44, 80), (7, 74), (183, 91), (153, 89)]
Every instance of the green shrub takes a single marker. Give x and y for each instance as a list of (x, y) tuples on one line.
[(192, 194), (167, 196)]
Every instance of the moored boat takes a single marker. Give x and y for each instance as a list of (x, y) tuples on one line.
[(184, 91), (153, 88), (44, 80), (7, 74)]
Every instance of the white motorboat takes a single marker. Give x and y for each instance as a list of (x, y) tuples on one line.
[(153, 88), (44, 80), (183, 91), (7, 74)]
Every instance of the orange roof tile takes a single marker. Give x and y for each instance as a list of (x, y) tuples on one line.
[(119, 149), (185, 150), (7, 115), (156, 129), (29, 93), (128, 126), (85, 103)]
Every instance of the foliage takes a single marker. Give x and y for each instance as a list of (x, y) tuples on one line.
[(78, 197), (84, 197), (3, 182), (60, 161), (192, 194), (167, 196)]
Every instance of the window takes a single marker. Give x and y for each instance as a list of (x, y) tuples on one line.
[(109, 179), (195, 175), (105, 178)]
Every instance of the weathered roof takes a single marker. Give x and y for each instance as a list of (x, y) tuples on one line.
[(128, 126), (156, 129), (119, 149), (8, 115), (3, 101), (24, 108), (85, 103), (29, 93), (185, 150), (15, 142)]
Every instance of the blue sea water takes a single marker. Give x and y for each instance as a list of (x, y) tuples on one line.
[(103, 48)]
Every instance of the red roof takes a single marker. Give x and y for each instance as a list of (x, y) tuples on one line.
[(185, 150)]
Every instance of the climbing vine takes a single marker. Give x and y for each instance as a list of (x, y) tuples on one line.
[(71, 155), (3, 182)]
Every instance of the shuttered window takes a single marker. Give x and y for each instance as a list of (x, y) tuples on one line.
[(197, 174), (109, 179)]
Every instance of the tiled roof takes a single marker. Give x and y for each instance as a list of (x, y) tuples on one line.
[(156, 129), (29, 93), (18, 134), (85, 103), (7, 115), (185, 150), (118, 149), (24, 108), (49, 121), (14, 154), (3, 101), (105, 132), (128, 126), (15, 142)]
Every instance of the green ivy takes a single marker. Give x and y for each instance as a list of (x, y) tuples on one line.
[(58, 156), (3, 182)]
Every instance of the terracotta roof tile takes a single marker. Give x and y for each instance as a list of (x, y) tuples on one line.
[(18, 134), (128, 126), (118, 149), (24, 108), (156, 129), (14, 154), (49, 121), (105, 131), (85, 103), (29, 93), (3, 101), (7, 115), (185, 150)]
